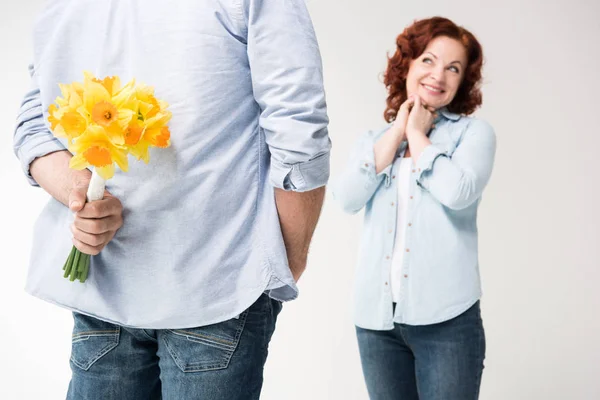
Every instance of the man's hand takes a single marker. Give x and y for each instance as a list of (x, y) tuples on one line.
[(96, 222)]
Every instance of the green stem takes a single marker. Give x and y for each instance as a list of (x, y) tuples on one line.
[(69, 264), (75, 263), (85, 265)]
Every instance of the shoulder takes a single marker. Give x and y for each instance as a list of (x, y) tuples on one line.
[(476, 127)]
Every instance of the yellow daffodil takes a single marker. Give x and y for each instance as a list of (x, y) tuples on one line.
[(111, 111), (72, 95), (111, 83), (94, 148), (157, 133), (147, 129), (104, 122), (149, 105), (142, 135), (65, 120)]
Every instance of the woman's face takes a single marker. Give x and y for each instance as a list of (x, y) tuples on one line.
[(436, 75)]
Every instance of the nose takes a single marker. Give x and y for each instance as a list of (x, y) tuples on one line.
[(438, 74)]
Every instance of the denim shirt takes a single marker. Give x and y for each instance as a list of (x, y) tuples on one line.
[(201, 239), (440, 269)]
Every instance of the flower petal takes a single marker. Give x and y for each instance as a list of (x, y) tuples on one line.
[(78, 162), (106, 172), (93, 94)]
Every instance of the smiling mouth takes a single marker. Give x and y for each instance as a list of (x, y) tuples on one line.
[(433, 88)]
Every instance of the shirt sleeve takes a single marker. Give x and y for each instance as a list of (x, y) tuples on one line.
[(357, 183), (32, 138), (457, 181), (287, 79)]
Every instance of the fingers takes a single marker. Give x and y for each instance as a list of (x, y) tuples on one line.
[(101, 208), (418, 102), (427, 107), (100, 225), (95, 222), (77, 196), (91, 240), (407, 104), (87, 249)]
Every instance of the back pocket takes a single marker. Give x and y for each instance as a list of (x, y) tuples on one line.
[(205, 348), (92, 340)]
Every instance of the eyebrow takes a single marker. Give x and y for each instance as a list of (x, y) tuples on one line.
[(434, 56)]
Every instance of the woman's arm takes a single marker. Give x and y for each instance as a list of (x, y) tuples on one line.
[(458, 180)]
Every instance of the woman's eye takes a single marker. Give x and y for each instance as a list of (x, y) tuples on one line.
[(427, 60), (454, 69)]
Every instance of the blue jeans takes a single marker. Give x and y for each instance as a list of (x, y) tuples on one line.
[(429, 362), (223, 361)]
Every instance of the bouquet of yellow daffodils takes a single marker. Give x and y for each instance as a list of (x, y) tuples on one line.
[(103, 123)]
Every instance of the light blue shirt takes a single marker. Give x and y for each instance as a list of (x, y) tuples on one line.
[(440, 268), (201, 239)]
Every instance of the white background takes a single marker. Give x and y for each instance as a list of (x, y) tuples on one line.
[(539, 220)]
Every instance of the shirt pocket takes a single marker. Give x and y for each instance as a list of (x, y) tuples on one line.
[(92, 339), (205, 348)]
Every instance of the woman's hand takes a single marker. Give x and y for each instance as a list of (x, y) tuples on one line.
[(420, 119), (399, 125)]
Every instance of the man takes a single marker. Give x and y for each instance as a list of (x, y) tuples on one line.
[(194, 252)]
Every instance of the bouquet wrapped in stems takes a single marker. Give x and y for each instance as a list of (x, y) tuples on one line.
[(103, 122)]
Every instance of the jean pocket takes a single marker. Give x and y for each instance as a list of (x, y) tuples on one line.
[(92, 339), (205, 348)]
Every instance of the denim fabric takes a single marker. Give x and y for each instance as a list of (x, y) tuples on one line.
[(440, 267), (223, 361), (425, 362)]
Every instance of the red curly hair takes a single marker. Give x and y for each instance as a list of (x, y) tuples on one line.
[(411, 43)]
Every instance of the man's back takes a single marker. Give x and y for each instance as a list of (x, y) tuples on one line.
[(201, 237)]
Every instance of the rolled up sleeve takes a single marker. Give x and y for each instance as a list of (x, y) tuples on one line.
[(458, 180), (287, 79), (32, 137), (357, 183)]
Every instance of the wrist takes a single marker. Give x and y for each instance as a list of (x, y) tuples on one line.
[(410, 133), (297, 268), (79, 178), (397, 135)]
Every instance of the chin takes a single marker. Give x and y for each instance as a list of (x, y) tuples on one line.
[(431, 101)]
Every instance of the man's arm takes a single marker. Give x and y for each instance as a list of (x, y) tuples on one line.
[(287, 78), (95, 223), (45, 163), (53, 174), (298, 216)]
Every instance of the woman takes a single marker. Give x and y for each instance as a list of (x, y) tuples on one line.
[(420, 181)]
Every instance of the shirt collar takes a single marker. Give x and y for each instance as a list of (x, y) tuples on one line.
[(442, 112), (447, 114)]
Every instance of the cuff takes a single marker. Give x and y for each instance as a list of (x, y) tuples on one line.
[(426, 160), (34, 148), (300, 177), (367, 165)]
